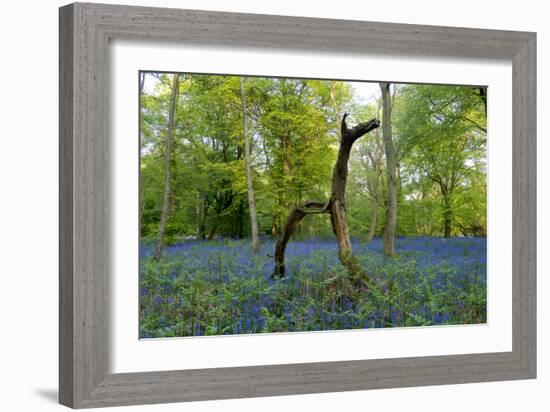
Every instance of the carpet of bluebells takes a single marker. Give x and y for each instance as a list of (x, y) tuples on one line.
[(219, 288)]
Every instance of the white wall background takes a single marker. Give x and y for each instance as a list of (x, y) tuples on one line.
[(28, 205)]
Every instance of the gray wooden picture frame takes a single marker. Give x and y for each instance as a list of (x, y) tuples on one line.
[(85, 31)]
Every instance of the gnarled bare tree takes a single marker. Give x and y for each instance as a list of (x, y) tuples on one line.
[(335, 207)]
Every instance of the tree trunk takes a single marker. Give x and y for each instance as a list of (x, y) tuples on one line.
[(373, 215), (483, 97), (202, 211), (391, 171), (335, 206), (294, 219), (274, 225), (377, 173), (212, 233), (249, 184), (448, 221), (167, 164), (447, 217), (141, 82)]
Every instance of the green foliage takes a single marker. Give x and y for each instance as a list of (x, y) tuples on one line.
[(440, 133), (442, 144)]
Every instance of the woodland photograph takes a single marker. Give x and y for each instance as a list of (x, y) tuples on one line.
[(291, 205)]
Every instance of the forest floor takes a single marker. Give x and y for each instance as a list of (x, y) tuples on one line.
[(219, 287)]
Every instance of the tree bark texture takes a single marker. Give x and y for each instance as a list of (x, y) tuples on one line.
[(391, 171), (167, 167), (335, 207), (249, 184)]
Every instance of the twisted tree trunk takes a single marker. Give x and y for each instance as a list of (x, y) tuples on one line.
[(292, 223), (335, 207)]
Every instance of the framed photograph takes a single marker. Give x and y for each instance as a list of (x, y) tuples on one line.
[(256, 205)]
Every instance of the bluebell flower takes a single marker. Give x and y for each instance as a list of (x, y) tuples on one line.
[(434, 280)]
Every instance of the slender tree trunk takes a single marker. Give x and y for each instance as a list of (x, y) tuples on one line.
[(373, 216), (212, 233), (335, 206), (447, 216), (274, 225), (391, 171), (141, 81), (201, 216), (249, 183), (483, 97), (376, 183), (167, 164), (448, 221)]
